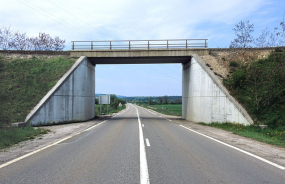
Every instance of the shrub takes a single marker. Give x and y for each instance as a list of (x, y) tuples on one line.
[(260, 87), (234, 64)]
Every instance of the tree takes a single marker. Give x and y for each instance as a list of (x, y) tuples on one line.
[(20, 41), (6, 38), (58, 44), (150, 101), (160, 99), (261, 41), (243, 32), (178, 100), (165, 99)]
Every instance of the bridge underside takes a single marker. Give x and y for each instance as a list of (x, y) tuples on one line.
[(139, 60)]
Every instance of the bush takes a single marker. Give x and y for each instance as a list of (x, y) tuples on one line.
[(260, 87), (234, 64)]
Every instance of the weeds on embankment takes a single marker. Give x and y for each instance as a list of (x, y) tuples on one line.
[(274, 136), (24, 82), (260, 87), (10, 136)]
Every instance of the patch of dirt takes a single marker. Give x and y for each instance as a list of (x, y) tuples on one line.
[(219, 60)]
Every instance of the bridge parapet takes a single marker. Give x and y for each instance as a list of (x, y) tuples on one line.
[(140, 44)]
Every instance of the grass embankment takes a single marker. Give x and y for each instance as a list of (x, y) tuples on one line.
[(275, 136), (23, 83), (110, 109), (11, 136), (168, 109)]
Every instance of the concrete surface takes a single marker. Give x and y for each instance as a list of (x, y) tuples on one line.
[(110, 153), (71, 99), (205, 99), (19, 124), (138, 56)]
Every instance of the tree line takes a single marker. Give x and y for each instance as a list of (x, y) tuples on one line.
[(156, 100), (15, 40)]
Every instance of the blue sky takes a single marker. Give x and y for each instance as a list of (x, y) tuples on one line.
[(139, 19)]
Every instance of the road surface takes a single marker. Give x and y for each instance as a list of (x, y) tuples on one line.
[(140, 146)]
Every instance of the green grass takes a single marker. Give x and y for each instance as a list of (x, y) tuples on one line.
[(24, 82), (110, 109), (169, 109), (10, 136), (274, 136)]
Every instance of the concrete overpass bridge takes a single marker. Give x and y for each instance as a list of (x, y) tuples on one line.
[(204, 98)]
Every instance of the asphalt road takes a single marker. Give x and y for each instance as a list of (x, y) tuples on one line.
[(139, 146)]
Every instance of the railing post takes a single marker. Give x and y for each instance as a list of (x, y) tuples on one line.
[(205, 43), (148, 44), (91, 45), (129, 44), (186, 44), (110, 44), (72, 45), (167, 44)]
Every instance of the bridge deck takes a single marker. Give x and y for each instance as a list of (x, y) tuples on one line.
[(139, 56)]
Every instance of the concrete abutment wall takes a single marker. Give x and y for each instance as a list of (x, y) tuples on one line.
[(205, 99), (71, 99)]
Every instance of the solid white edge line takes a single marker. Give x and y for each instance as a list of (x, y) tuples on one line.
[(147, 142), (36, 151), (144, 177), (238, 149)]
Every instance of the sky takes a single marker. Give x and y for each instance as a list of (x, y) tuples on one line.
[(96, 20)]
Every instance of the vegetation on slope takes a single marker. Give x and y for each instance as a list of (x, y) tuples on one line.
[(24, 82), (260, 87)]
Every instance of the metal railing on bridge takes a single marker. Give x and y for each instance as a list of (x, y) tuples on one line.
[(140, 44)]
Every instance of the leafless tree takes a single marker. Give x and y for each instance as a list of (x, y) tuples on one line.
[(45, 41), (20, 41), (34, 43), (6, 38), (58, 44), (243, 31), (261, 41)]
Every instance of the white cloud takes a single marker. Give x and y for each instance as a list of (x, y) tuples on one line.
[(128, 19)]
